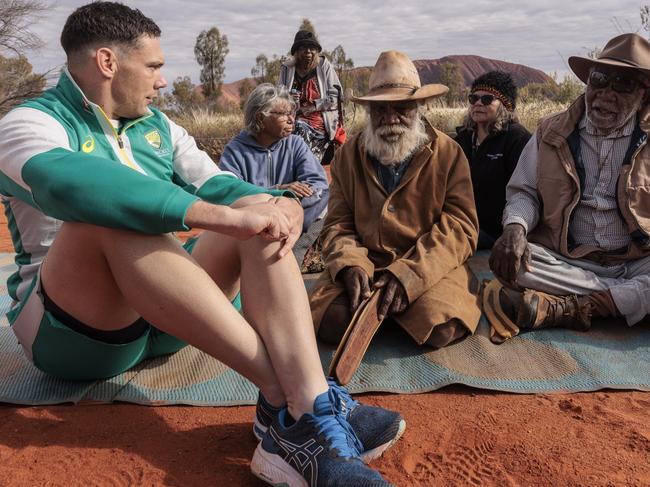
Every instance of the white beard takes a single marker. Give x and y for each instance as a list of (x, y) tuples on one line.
[(397, 144)]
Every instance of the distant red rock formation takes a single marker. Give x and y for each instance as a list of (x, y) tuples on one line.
[(470, 67)]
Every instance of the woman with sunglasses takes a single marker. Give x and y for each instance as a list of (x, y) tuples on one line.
[(266, 153), (492, 140)]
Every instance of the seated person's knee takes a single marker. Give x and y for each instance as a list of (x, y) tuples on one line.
[(335, 320), (443, 335)]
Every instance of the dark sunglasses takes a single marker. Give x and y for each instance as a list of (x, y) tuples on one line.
[(485, 99), (620, 84)]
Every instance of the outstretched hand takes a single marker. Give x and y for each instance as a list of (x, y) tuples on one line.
[(510, 253), (394, 299)]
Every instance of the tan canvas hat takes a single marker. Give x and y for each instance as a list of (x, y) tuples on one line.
[(394, 78), (625, 51)]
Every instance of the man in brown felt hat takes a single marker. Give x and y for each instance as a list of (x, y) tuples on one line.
[(576, 240), (401, 217)]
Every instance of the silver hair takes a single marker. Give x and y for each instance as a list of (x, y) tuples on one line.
[(261, 100), (503, 118)]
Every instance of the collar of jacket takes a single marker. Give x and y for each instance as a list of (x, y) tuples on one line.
[(418, 160), (561, 125), (73, 93)]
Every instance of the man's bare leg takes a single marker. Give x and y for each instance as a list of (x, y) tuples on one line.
[(274, 302), (108, 278)]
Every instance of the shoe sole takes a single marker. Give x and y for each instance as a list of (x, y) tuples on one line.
[(367, 456), (273, 470), (375, 453)]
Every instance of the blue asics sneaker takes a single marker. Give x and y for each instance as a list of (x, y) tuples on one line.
[(319, 450), (378, 429)]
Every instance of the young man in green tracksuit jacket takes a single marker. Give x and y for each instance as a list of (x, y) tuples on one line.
[(93, 181)]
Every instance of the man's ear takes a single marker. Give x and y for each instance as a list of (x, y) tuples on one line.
[(106, 60)]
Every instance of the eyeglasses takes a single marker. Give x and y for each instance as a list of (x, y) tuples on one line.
[(619, 83), (286, 115), (485, 99)]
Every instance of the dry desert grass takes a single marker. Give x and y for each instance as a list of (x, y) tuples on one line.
[(213, 130)]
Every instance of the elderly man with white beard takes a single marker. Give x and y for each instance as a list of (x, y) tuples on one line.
[(401, 218)]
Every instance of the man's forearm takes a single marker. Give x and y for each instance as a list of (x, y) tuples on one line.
[(216, 218)]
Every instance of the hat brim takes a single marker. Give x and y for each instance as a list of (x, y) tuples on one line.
[(402, 94), (581, 66)]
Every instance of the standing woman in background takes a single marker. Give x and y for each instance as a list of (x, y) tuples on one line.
[(315, 86), (492, 140)]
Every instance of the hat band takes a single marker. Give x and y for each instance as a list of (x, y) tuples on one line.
[(500, 96), (625, 61), (389, 86)]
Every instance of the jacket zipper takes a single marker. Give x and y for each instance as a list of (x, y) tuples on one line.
[(270, 168)]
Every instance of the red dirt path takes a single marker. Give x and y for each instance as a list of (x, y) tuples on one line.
[(456, 436)]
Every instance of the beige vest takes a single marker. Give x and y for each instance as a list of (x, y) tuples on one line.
[(558, 189)]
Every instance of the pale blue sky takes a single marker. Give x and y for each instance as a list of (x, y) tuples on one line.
[(538, 34)]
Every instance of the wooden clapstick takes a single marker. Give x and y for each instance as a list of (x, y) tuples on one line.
[(353, 346)]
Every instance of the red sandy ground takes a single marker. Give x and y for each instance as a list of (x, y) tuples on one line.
[(456, 436)]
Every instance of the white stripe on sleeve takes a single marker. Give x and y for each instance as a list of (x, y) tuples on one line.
[(24, 133)]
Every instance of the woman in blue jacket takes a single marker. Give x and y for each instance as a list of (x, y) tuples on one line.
[(266, 153)]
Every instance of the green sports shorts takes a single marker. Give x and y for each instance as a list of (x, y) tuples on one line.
[(60, 351)]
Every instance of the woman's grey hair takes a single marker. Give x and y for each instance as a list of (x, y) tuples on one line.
[(503, 118), (261, 100)]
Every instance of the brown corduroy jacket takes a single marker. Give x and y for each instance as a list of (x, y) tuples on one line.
[(421, 232)]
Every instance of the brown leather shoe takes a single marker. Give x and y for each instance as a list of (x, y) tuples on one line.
[(541, 310)]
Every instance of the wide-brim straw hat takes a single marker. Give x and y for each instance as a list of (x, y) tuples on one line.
[(630, 51), (395, 78)]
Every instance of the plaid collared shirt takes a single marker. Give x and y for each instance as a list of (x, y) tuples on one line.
[(596, 219)]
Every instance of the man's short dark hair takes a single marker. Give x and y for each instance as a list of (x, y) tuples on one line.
[(105, 23)]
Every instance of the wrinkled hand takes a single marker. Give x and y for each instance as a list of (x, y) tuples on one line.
[(394, 299), (357, 285), (294, 214), (263, 219), (509, 253), (303, 190)]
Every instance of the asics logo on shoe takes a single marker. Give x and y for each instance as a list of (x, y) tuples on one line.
[(300, 457)]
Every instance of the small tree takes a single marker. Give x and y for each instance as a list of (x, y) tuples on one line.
[(569, 89), (533, 92), (185, 94), (450, 77), (210, 51), (261, 68), (342, 65), (245, 89), (16, 16), (17, 82)]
